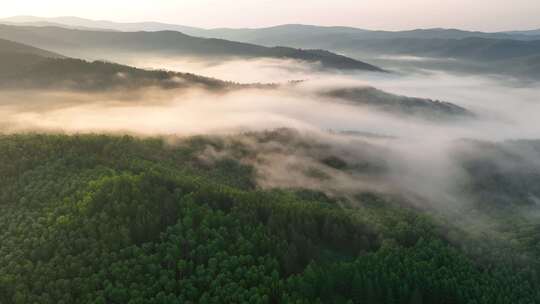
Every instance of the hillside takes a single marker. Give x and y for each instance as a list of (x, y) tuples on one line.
[(15, 57), (24, 66), (400, 105), (79, 43), (503, 173), (36, 72), (7, 46), (100, 219)]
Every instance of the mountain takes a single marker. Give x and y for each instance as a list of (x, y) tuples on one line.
[(81, 43), (177, 43)]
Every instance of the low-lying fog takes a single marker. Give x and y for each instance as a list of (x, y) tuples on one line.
[(505, 112), (420, 152)]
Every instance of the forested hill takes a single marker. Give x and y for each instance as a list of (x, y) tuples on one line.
[(26, 67), (16, 59), (399, 105), (81, 43), (101, 219), (35, 72)]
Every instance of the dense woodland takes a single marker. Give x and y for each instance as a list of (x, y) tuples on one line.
[(115, 219)]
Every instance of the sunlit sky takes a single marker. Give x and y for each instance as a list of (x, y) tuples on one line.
[(486, 15)]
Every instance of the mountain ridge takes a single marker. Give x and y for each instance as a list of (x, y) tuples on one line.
[(79, 43), (192, 30)]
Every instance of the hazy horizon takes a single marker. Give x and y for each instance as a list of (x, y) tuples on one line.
[(276, 25), (484, 15)]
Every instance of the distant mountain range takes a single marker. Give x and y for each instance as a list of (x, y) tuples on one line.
[(287, 34), (101, 44), (75, 22), (515, 53)]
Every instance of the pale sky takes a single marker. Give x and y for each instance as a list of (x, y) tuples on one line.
[(485, 15)]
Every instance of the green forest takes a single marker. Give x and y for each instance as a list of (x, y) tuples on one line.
[(118, 219)]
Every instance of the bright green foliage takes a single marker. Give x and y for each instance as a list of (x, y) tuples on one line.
[(99, 219)]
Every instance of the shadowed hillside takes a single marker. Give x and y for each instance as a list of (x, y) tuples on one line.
[(24, 66)]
